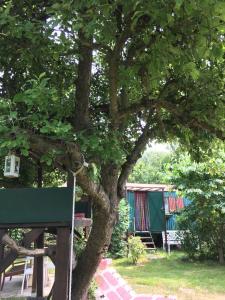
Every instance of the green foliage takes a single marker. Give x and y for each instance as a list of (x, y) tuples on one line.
[(53, 178), (92, 290), (151, 168), (107, 146), (80, 243), (136, 248), (16, 234), (204, 218), (28, 175), (118, 246), (178, 45), (157, 65)]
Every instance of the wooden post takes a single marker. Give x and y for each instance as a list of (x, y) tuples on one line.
[(34, 277), (164, 212), (1, 252), (38, 282), (40, 267), (60, 291)]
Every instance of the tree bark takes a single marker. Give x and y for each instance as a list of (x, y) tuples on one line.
[(221, 245), (83, 83), (221, 255), (98, 243), (7, 240)]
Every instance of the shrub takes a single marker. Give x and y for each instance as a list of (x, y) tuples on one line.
[(118, 246), (92, 290), (200, 235), (204, 219), (80, 242), (136, 248)]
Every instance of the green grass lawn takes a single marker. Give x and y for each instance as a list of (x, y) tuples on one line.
[(171, 275)]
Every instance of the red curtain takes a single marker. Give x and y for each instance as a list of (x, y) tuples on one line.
[(142, 221)]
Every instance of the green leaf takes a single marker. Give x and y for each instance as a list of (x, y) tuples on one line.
[(178, 4), (190, 69), (25, 152), (217, 51)]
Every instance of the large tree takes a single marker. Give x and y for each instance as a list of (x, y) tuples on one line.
[(100, 79)]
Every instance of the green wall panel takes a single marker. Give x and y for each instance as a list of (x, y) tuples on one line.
[(157, 220), (130, 197), (43, 205)]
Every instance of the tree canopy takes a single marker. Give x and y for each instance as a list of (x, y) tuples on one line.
[(141, 63), (99, 79)]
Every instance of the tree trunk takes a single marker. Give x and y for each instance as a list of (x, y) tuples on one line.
[(98, 242), (221, 244), (221, 253)]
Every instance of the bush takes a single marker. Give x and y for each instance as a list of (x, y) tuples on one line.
[(199, 238), (118, 246), (92, 290), (136, 248), (204, 219), (79, 242)]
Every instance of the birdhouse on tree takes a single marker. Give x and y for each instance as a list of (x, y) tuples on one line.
[(12, 166)]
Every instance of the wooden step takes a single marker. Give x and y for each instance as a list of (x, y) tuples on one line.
[(149, 243), (150, 249), (146, 238)]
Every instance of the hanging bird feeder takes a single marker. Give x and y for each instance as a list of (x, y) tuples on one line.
[(12, 166)]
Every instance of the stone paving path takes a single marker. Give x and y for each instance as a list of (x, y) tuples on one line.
[(12, 289), (111, 286)]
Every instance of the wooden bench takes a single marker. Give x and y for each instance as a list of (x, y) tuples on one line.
[(174, 237)]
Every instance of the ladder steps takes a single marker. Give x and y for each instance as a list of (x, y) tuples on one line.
[(147, 239)]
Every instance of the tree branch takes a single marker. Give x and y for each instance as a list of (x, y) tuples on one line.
[(134, 155), (175, 109), (113, 87), (124, 32), (83, 82), (138, 46), (69, 160), (8, 241), (113, 61), (136, 107), (149, 102), (93, 45)]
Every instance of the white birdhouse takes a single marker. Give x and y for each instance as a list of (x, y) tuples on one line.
[(12, 166)]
